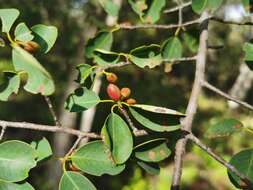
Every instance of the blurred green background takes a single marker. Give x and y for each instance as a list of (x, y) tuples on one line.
[(79, 20)]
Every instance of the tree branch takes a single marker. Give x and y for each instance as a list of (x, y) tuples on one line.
[(227, 96), (230, 167), (182, 6), (51, 109), (192, 105), (2, 132)]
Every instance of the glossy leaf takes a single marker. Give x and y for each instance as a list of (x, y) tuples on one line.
[(157, 109), (14, 186), (153, 12), (8, 17), (9, 86), (39, 80), (103, 40), (152, 151), (81, 100), (16, 160), (43, 149), (103, 57), (243, 162), (151, 125), (84, 72), (110, 7), (248, 49), (151, 168), (146, 56), (23, 33), (95, 159), (198, 6), (45, 36), (75, 181), (120, 138), (224, 128), (138, 6), (172, 48)]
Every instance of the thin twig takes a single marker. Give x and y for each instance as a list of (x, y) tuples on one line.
[(231, 22), (230, 167), (192, 105), (184, 5), (223, 94), (75, 145), (51, 109), (125, 114), (2, 132)]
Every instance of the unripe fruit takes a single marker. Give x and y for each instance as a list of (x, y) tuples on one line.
[(113, 92), (111, 77), (125, 92), (31, 46), (131, 101)]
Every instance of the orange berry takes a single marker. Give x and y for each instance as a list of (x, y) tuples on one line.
[(131, 101), (125, 92), (113, 92), (111, 77)]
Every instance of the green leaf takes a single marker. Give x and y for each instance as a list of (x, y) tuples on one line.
[(8, 17), (84, 72), (157, 109), (81, 100), (224, 128), (213, 5), (95, 159), (190, 42), (39, 80), (103, 40), (9, 86), (23, 33), (248, 49), (152, 14), (152, 151), (146, 56), (13, 186), (43, 149), (104, 57), (172, 48), (151, 168), (75, 181), (45, 36), (150, 124), (16, 160), (138, 6), (110, 7), (198, 6), (243, 162), (120, 138)]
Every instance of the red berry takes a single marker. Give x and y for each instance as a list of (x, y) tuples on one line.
[(125, 92), (111, 77), (113, 92)]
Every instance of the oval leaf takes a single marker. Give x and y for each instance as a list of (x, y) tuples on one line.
[(8, 17), (13, 186), (95, 159), (45, 36), (81, 100), (43, 149), (110, 7), (152, 151), (146, 56), (151, 168), (154, 10), (242, 161), (224, 128), (16, 160), (75, 181), (39, 80), (172, 49), (120, 137), (151, 125), (84, 72), (103, 57), (23, 33), (103, 40)]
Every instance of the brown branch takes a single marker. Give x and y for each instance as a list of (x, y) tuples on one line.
[(230, 167), (223, 94), (125, 114), (51, 109), (192, 105), (174, 9), (2, 132), (75, 145)]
